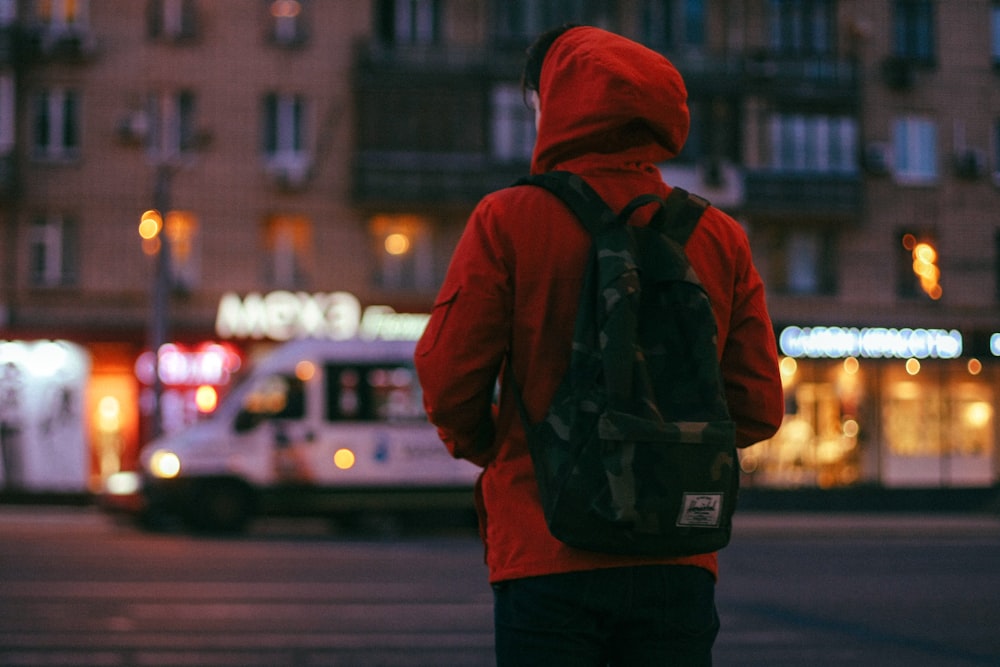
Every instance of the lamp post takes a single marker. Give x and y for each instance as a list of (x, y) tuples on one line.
[(159, 315), (156, 242)]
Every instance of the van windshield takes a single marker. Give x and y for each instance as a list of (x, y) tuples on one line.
[(373, 392)]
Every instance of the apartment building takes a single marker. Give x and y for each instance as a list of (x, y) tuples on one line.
[(314, 161)]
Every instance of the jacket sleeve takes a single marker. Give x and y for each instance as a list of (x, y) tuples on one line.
[(458, 358), (750, 361)]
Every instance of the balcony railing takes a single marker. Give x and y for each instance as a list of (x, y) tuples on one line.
[(797, 195), (803, 77), (386, 177)]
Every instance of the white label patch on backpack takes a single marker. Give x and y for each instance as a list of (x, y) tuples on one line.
[(701, 510)]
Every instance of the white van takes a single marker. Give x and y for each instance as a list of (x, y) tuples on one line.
[(317, 427)]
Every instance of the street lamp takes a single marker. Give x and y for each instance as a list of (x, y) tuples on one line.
[(156, 241)]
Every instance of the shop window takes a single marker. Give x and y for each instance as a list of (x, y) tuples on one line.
[(814, 143), (53, 252), (513, 136), (56, 124), (938, 426), (288, 240), (173, 20), (288, 24), (403, 254), (825, 425), (913, 31), (914, 150)]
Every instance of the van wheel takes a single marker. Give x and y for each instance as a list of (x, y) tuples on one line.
[(223, 506)]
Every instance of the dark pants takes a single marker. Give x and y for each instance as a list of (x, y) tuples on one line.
[(624, 617)]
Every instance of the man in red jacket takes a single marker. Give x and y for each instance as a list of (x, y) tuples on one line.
[(607, 109)]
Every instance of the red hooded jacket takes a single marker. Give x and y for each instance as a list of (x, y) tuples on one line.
[(610, 110)]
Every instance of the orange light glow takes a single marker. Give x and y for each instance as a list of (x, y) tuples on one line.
[(206, 398)]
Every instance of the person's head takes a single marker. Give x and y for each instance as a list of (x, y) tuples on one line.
[(531, 77), (596, 92)]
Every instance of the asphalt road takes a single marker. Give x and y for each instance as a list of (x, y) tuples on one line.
[(79, 589)]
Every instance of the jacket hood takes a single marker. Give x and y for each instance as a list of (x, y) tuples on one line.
[(603, 93)]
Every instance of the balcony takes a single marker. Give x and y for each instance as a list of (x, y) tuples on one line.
[(423, 117), (833, 197), (816, 78), (385, 178)]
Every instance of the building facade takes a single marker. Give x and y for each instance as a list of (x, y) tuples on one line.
[(314, 161)]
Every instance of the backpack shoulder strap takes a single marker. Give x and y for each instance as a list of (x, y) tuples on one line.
[(586, 204), (679, 215), (677, 218)]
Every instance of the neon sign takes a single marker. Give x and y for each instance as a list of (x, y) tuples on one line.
[(284, 315), (870, 343)]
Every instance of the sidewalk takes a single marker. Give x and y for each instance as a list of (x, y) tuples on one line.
[(875, 524)]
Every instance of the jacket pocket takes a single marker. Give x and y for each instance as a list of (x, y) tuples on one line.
[(439, 318)]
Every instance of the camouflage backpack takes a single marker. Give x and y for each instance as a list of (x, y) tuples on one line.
[(636, 454)]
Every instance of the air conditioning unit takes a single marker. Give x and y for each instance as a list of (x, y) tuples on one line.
[(877, 158), (133, 129), (970, 164)]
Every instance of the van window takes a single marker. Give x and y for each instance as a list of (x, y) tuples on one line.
[(272, 397), (373, 393)]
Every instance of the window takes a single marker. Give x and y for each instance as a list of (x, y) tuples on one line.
[(408, 22), (513, 136), (61, 17), (181, 228), (288, 240), (171, 19), (995, 34), (56, 124), (518, 22), (802, 27), (287, 22), (673, 24), (272, 397), (813, 143), (803, 262), (915, 150), (172, 129), (284, 136), (53, 252), (8, 12), (714, 134), (913, 30), (373, 393), (403, 256), (7, 113)]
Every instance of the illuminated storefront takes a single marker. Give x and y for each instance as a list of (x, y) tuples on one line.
[(881, 406), (42, 396)]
